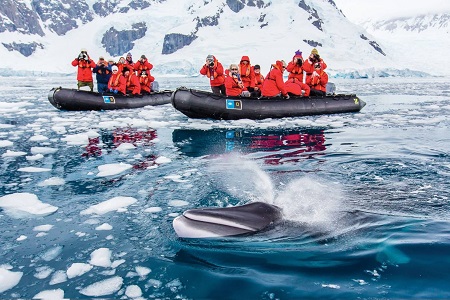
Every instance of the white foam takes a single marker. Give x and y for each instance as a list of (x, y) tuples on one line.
[(101, 258), (50, 294), (104, 287), (19, 203), (113, 204), (112, 169), (52, 182), (8, 279), (33, 170), (78, 269)]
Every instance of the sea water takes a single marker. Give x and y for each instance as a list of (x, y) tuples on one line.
[(87, 199)]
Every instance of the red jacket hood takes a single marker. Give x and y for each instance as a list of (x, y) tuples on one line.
[(245, 57)]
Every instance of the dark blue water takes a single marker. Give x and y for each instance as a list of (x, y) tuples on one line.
[(365, 197)]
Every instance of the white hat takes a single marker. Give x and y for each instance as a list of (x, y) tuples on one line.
[(115, 68)]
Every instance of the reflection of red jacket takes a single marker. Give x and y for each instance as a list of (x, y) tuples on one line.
[(84, 69), (214, 73), (118, 82), (133, 84), (274, 83), (233, 86), (319, 81), (295, 86), (247, 73)]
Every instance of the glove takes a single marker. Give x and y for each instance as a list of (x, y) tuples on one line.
[(111, 90), (315, 74), (115, 91), (287, 96)]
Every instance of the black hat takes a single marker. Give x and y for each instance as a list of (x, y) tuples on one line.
[(125, 69), (257, 67)]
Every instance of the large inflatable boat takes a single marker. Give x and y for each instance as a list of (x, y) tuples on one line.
[(72, 99), (202, 104)]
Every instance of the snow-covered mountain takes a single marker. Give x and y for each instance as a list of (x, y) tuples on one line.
[(177, 35)]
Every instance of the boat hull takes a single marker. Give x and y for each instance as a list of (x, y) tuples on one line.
[(202, 104), (78, 100)]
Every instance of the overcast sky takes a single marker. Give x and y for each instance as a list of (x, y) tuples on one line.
[(360, 10)]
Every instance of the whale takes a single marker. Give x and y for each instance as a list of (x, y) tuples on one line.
[(213, 222)]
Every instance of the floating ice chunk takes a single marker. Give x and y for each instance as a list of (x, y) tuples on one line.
[(43, 272), (8, 279), (125, 147), (104, 226), (80, 138), (142, 271), (112, 169), (50, 294), (59, 129), (78, 269), (21, 238), (101, 257), (112, 204), (46, 227), (5, 143), (43, 150), (162, 160), (34, 157), (19, 203), (331, 286), (58, 277), (177, 203), (154, 209), (117, 263), (38, 138), (33, 170), (133, 291), (10, 153), (41, 234), (52, 181), (102, 288), (52, 253)]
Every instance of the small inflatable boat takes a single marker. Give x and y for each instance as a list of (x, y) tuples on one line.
[(72, 99), (202, 104)]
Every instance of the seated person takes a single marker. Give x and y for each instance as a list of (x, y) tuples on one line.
[(295, 87), (318, 81), (133, 86), (233, 83), (117, 82), (146, 82), (259, 79), (273, 85)]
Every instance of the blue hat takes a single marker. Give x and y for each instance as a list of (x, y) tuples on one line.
[(129, 54)]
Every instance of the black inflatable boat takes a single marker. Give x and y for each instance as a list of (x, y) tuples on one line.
[(202, 104), (72, 99)]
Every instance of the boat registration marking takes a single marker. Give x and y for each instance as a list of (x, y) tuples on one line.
[(234, 104), (356, 100), (109, 99)]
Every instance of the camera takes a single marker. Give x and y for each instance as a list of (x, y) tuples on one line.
[(211, 63), (299, 62)]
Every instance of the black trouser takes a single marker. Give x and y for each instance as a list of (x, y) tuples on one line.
[(219, 90), (317, 93)]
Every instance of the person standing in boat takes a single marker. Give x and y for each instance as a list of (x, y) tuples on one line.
[(213, 69), (308, 65), (143, 64), (146, 82), (247, 74), (84, 70), (103, 73), (117, 83), (133, 84), (318, 81), (259, 80), (273, 85), (233, 82)]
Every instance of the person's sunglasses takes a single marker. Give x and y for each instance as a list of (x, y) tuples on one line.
[(234, 69)]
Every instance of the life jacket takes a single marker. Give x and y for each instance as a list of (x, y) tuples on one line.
[(116, 81)]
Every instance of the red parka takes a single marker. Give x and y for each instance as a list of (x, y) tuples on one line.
[(259, 80), (308, 66), (295, 86), (84, 69), (274, 83), (318, 80), (233, 86), (146, 83), (247, 73), (214, 73), (140, 66), (133, 84), (295, 71), (118, 82)]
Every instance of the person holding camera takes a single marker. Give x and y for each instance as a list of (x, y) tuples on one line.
[(213, 69), (146, 82), (318, 81), (84, 71), (103, 73), (295, 84), (233, 82), (308, 65), (142, 65)]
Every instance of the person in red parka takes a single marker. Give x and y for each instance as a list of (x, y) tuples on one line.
[(233, 82), (274, 84), (295, 69), (143, 64), (146, 82), (318, 81), (308, 65), (129, 62), (84, 73), (247, 73), (297, 88), (213, 69), (117, 83), (259, 80), (133, 84)]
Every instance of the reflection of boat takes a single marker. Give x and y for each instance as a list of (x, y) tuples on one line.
[(72, 99), (202, 104), (220, 141)]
